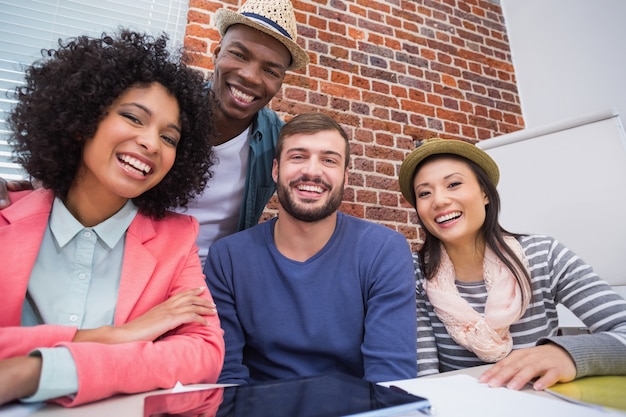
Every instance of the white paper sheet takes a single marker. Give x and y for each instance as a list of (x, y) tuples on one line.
[(463, 395)]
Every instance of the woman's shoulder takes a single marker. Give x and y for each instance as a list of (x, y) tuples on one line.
[(536, 241), (27, 208), (28, 203), (543, 250), (39, 193), (177, 224), (172, 217)]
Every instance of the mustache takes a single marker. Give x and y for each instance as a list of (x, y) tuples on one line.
[(315, 180)]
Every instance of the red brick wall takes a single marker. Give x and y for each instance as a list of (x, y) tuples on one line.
[(392, 72)]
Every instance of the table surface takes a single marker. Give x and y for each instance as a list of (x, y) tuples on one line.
[(132, 405)]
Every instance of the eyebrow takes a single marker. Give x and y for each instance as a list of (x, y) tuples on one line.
[(445, 178), (326, 152), (149, 112), (241, 46)]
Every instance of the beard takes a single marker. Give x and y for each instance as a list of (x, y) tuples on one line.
[(302, 211)]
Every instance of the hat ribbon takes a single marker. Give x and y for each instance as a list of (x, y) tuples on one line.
[(267, 22)]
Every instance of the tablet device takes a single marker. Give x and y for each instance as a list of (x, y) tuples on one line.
[(334, 395)]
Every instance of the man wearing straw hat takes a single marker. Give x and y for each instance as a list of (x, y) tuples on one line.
[(257, 48)]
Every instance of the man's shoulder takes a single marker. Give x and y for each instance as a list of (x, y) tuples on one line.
[(265, 130), (268, 114), (267, 117), (369, 231), (242, 238), (366, 225)]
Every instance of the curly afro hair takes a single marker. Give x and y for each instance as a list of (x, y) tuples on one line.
[(67, 93)]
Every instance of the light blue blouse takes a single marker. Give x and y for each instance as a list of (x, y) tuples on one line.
[(74, 282)]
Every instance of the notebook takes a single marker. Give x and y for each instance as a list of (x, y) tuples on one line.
[(334, 395), (605, 391)]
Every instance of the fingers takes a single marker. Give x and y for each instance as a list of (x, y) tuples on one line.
[(5, 186), (19, 185), (187, 306), (4, 194), (548, 364), (511, 372), (550, 378), (193, 300), (183, 308)]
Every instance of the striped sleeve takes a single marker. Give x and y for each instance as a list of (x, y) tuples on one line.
[(594, 302), (558, 275)]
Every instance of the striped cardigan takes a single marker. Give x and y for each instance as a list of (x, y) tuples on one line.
[(557, 276)]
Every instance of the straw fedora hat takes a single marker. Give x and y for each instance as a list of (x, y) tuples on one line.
[(438, 146), (274, 17)]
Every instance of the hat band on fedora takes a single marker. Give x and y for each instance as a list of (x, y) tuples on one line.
[(267, 23)]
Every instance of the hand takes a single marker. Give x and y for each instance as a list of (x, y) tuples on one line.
[(5, 186), (184, 307), (549, 363), (19, 377)]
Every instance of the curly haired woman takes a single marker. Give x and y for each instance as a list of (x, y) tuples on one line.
[(104, 292)]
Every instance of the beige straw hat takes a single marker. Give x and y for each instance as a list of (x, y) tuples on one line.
[(438, 146), (274, 17)]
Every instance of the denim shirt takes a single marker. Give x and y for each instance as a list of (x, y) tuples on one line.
[(260, 186)]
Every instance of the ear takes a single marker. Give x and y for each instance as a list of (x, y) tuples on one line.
[(485, 198), (345, 177), (275, 170), (217, 51)]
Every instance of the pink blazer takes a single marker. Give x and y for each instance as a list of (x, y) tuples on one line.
[(160, 260)]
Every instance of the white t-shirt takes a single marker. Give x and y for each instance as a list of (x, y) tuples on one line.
[(217, 209)]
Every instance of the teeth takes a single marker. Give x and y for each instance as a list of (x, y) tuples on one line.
[(136, 163), (448, 217), (311, 188), (241, 95)]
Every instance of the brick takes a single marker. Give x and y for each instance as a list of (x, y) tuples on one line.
[(366, 196), (381, 113), (388, 199), (386, 213), (392, 72), (360, 108), (353, 210), (380, 99), (419, 108), (364, 164)]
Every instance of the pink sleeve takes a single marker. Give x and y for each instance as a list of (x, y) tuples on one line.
[(18, 341)]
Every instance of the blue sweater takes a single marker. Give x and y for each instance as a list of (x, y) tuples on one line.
[(350, 308)]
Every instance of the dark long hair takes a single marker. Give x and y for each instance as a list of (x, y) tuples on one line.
[(67, 93), (491, 231)]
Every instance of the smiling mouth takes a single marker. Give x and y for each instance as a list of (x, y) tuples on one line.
[(311, 188), (448, 217), (135, 164), (240, 95)]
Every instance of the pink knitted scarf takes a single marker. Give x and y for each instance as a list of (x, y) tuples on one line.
[(488, 335)]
